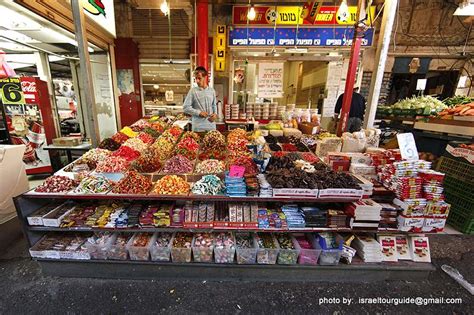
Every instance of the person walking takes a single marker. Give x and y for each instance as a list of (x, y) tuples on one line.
[(200, 103), (356, 113)]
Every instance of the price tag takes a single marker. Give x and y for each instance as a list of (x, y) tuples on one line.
[(407, 145), (236, 171), (421, 84), (11, 92)]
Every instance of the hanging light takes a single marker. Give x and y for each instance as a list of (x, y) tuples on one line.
[(156, 86), (165, 8), (251, 15)]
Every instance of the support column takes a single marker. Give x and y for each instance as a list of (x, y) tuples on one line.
[(390, 11), (202, 34), (351, 73), (86, 71)]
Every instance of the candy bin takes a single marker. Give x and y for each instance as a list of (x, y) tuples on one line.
[(181, 250), (160, 248), (330, 253), (118, 248), (267, 250), (224, 248), (139, 246), (203, 246), (98, 245), (289, 252), (306, 244), (245, 248)]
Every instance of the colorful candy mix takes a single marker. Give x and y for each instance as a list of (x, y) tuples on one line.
[(210, 166), (120, 137), (148, 162), (146, 138), (113, 164), (127, 153), (152, 132), (94, 184), (191, 134), (188, 147), (135, 144), (208, 185), (163, 147), (129, 132), (109, 144), (133, 183), (178, 164), (56, 184), (214, 140), (171, 185), (247, 162), (212, 154)]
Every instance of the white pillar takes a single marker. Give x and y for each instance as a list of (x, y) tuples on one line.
[(390, 11)]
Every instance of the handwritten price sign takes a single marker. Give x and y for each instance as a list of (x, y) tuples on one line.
[(407, 145)]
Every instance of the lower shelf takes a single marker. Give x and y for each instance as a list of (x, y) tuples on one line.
[(357, 272)]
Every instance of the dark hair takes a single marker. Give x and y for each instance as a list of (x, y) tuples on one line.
[(201, 70)]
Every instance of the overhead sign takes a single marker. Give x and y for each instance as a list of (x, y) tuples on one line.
[(311, 13), (219, 47), (270, 80), (102, 13), (306, 37)]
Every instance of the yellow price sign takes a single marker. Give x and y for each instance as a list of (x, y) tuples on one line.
[(11, 92)]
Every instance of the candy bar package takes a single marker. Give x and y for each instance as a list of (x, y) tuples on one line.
[(388, 244), (420, 249), (403, 248)]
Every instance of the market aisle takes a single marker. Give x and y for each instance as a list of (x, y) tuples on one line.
[(25, 290)]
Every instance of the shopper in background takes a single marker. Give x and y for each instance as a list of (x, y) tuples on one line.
[(200, 103), (356, 114)]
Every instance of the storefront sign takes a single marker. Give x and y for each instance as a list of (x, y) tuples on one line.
[(311, 13), (102, 13), (219, 47), (307, 37), (270, 80)]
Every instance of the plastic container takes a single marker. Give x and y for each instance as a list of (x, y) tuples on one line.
[(180, 252), (246, 255), (118, 248), (287, 256), (161, 253), (99, 250), (224, 254), (328, 256), (203, 253), (266, 255), (140, 252), (308, 256)]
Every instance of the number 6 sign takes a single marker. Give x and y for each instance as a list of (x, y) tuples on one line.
[(407, 145)]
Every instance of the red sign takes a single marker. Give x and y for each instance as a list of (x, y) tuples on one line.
[(28, 86)]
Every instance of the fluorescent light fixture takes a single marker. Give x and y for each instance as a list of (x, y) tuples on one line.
[(296, 50), (465, 10), (164, 7), (251, 15)]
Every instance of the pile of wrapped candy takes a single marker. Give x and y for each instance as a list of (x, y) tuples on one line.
[(133, 183), (109, 144), (208, 185), (136, 144), (178, 164), (210, 166), (112, 164), (56, 184), (171, 185), (94, 184)]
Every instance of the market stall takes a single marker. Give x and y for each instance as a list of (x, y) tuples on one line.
[(154, 201)]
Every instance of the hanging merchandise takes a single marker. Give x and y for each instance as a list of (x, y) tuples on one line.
[(5, 70)]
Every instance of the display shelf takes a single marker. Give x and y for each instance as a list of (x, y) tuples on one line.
[(127, 269), (447, 126), (32, 194)]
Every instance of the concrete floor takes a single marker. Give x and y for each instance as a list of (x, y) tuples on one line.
[(24, 290)]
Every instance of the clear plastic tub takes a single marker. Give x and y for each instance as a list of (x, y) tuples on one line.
[(308, 256), (266, 255), (246, 255), (137, 252), (118, 248), (328, 256), (224, 254), (98, 249), (181, 247), (161, 251), (203, 253), (287, 256)]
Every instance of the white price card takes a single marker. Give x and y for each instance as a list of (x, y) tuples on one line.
[(421, 84), (407, 145)]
